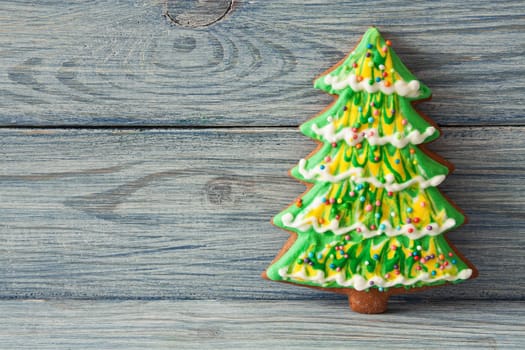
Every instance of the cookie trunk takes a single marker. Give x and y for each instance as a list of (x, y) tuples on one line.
[(371, 302)]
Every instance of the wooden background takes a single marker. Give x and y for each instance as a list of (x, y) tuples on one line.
[(144, 147)]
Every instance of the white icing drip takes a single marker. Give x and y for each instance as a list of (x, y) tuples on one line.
[(355, 174), (360, 283), (304, 224), (400, 87), (372, 135)]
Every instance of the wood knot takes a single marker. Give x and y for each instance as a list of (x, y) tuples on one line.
[(219, 191), (197, 13)]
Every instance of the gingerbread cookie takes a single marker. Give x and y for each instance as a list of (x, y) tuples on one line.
[(372, 221)]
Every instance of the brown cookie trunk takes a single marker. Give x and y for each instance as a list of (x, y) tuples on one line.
[(371, 302)]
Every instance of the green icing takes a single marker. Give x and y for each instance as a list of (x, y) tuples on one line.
[(365, 200), (372, 35)]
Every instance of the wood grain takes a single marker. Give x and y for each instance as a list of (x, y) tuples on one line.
[(39, 324), (122, 63), (184, 214)]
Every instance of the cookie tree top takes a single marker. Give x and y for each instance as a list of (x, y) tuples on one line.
[(372, 221)]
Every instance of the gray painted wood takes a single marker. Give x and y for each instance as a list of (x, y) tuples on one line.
[(197, 13), (38, 324), (123, 63), (130, 234), (184, 214)]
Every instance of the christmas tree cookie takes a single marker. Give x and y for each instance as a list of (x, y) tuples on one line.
[(372, 222)]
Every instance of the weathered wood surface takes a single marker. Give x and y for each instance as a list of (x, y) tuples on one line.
[(38, 324), (155, 238), (123, 63), (184, 214)]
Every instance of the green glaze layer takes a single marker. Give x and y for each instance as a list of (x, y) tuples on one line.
[(373, 217)]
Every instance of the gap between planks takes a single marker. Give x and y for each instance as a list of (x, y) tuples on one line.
[(208, 127)]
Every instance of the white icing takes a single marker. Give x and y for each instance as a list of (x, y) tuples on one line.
[(303, 223), (400, 87), (355, 175), (360, 283), (415, 137)]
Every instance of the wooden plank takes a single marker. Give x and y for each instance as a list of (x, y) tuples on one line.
[(123, 63), (38, 324), (184, 214)]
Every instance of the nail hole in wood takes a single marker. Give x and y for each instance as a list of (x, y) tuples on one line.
[(197, 13)]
